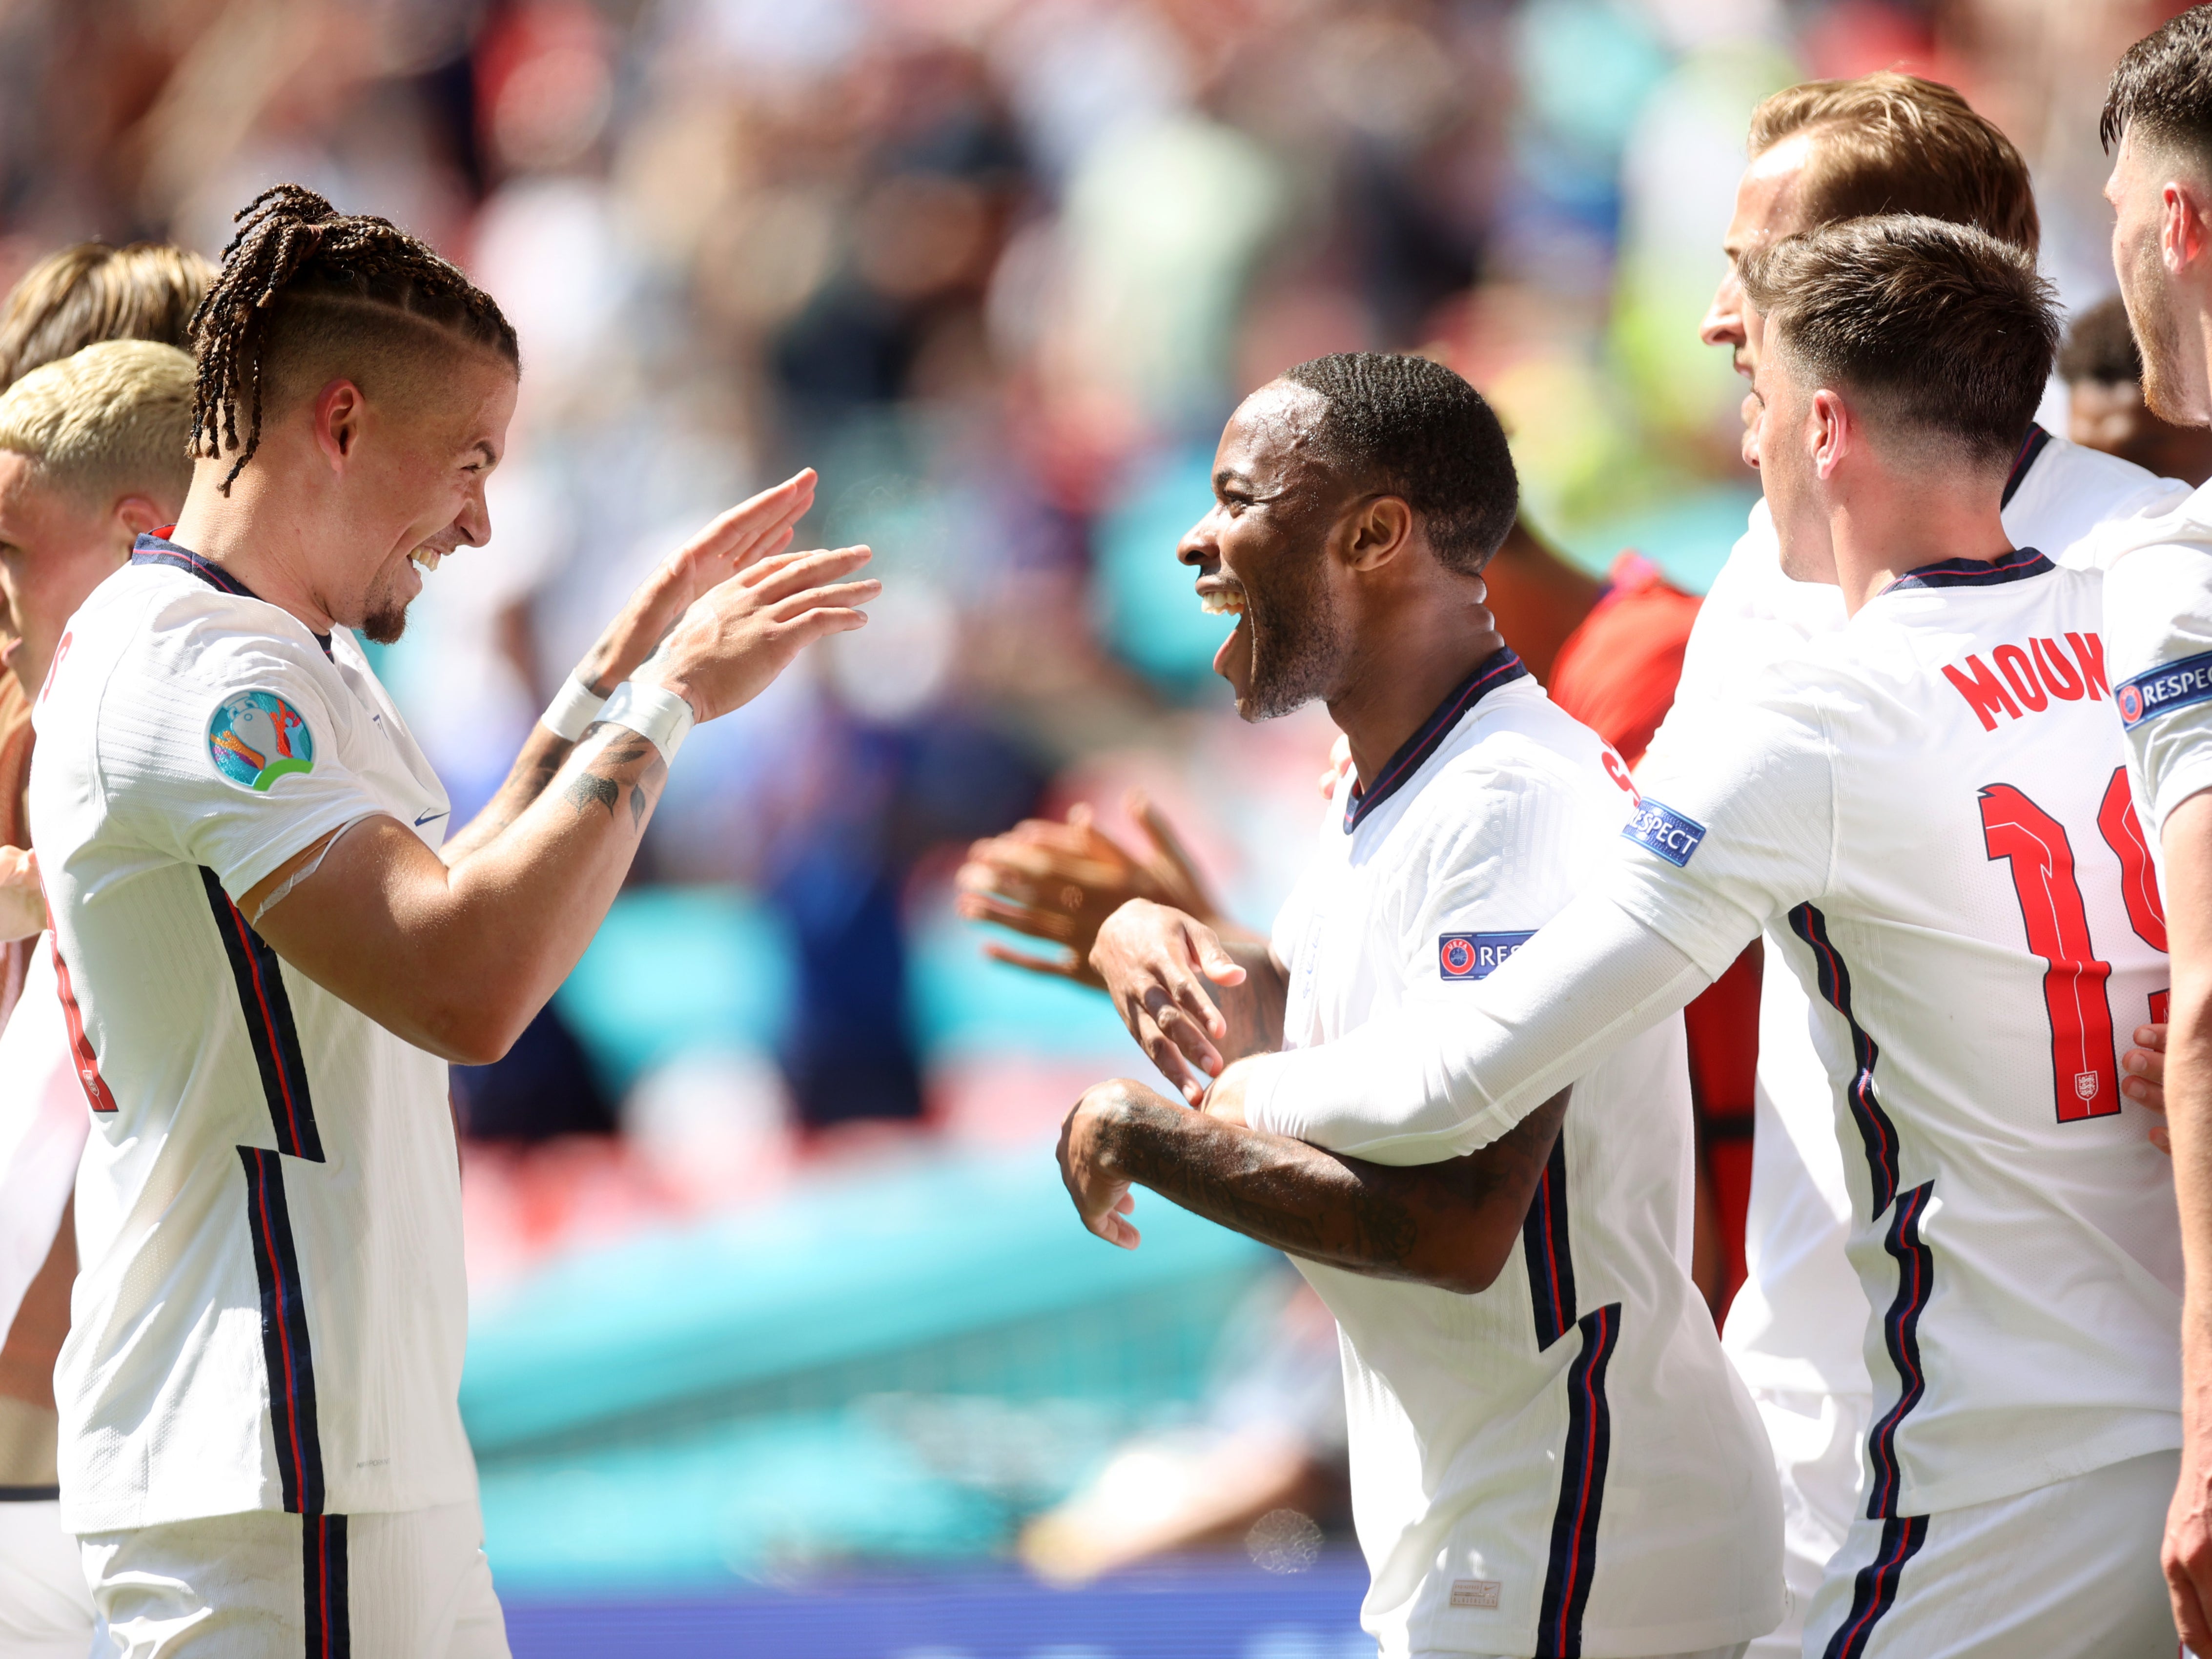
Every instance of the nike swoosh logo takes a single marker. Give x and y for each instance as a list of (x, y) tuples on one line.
[(425, 817)]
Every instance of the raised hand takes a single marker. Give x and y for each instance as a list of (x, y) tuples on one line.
[(754, 530), (1059, 882), (1155, 962), (736, 638)]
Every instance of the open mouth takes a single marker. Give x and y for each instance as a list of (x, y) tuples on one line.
[(1219, 596), (1226, 599), (427, 558)]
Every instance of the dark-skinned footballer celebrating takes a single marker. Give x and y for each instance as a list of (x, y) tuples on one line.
[(1550, 1454), (268, 957)]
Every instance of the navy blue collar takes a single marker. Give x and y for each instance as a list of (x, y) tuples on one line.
[(157, 550), (2033, 446), (2018, 565), (1500, 668)]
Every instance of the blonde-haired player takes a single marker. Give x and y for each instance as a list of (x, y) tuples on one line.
[(92, 454)]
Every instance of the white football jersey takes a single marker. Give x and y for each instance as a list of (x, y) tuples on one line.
[(1795, 1323), (1564, 1463), (2158, 605), (271, 1311), (1933, 802)]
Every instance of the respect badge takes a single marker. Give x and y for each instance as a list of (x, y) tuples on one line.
[(255, 737)]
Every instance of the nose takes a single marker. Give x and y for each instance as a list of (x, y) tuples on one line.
[(1723, 323), (1200, 546), (474, 521)]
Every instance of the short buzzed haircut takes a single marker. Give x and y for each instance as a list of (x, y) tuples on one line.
[(2102, 347), (1895, 143), (1413, 427), (91, 292), (2162, 87), (114, 420), (1939, 329)]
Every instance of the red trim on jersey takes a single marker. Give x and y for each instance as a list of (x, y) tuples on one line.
[(88, 1063)]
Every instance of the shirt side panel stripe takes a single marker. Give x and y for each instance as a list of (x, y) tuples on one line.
[(1876, 1132), (268, 1010), (1583, 1461), (284, 1345), (96, 1091), (1900, 1332), (1544, 1244)]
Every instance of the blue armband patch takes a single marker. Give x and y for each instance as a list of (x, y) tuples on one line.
[(2169, 686), (1472, 955), (1664, 831)]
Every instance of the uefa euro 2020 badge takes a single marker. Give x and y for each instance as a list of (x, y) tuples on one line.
[(255, 737)]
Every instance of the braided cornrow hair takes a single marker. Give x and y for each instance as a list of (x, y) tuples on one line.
[(294, 253)]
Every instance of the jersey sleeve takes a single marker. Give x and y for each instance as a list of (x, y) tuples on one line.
[(233, 762), (1736, 827), (1496, 869), (1426, 1082), (2157, 642), (1747, 834)]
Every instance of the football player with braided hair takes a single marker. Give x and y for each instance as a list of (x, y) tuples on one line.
[(268, 949)]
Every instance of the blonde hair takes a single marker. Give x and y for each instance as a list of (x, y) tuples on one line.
[(114, 420), (90, 292), (1897, 144)]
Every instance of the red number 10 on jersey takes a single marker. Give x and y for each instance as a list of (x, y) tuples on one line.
[(2084, 1069)]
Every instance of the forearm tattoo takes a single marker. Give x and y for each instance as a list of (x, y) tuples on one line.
[(1431, 1223), (1295, 1197), (590, 790), (600, 784)]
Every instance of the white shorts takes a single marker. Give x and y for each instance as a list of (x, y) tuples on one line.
[(1816, 1439), (269, 1585), (2066, 1571), (46, 1612)]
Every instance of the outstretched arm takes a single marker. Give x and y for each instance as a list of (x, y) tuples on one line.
[(1451, 1226), (459, 957), (1442, 1076), (757, 529)]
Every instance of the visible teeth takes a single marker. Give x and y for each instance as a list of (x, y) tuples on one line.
[(1222, 605), (426, 558)]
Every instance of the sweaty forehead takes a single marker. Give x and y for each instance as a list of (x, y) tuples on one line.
[(1770, 203), (1275, 432)]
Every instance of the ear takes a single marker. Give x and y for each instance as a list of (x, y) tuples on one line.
[(1381, 527), (1833, 432), (137, 516), (2182, 231), (338, 412)]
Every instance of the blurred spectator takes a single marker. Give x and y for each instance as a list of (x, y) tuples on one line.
[(2103, 371), (1265, 1468)]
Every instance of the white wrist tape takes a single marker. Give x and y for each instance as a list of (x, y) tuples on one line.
[(574, 707), (653, 712)]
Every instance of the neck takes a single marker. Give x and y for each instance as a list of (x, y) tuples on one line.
[(1879, 532), (250, 533), (1403, 663)]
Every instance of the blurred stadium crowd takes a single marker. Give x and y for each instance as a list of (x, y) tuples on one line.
[(998, 269)]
